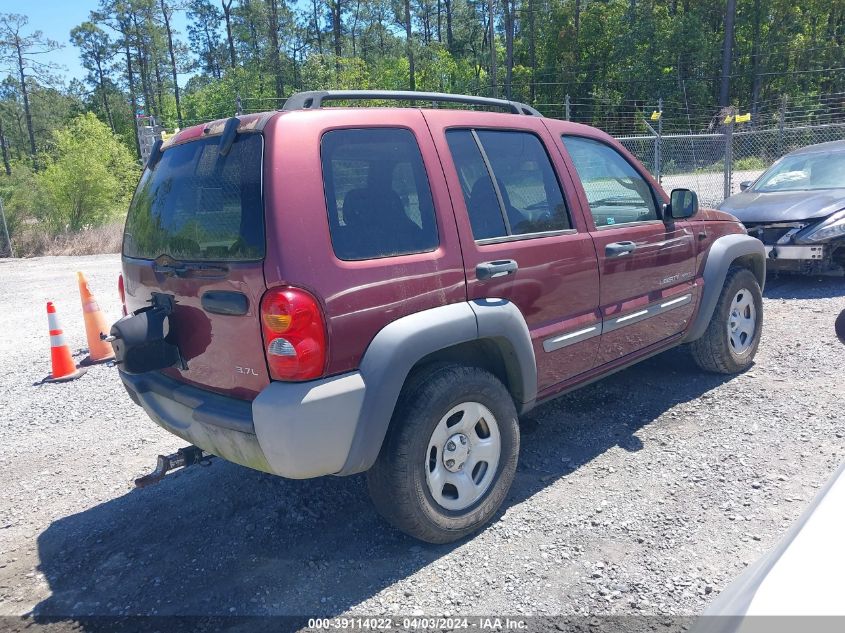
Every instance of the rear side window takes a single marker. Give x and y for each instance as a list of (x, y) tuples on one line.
[(198, 205), (377, 194), (616, 192), (508, 182)]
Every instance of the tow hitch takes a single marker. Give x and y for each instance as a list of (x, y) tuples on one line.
[(182, 458)]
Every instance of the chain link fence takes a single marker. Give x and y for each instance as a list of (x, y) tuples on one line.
[(714, 165), (702, 147)]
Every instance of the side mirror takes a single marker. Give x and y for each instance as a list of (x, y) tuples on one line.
[(745, 184), (683, 203), (840, 326)]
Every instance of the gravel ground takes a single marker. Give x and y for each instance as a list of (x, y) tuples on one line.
[(645, 493)]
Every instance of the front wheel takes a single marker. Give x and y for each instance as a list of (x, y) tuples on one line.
[(730, 342), (450, 454)]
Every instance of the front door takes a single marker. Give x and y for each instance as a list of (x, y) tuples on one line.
[(646, 266), (520, 239)]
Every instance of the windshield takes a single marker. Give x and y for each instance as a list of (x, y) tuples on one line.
[(822, 170), (198, 205)]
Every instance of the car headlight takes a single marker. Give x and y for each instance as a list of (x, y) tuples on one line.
[(831, 228)]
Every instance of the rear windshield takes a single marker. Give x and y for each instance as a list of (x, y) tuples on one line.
[(198, 205)]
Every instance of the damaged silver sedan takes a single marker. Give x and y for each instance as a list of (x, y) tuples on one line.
[(797, 209)]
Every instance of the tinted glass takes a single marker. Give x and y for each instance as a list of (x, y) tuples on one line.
[(530, 190), (377, 194), (485, 215), (197, 205), (616, 192)]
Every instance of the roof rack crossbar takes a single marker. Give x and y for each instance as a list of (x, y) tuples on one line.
[(313, 100)]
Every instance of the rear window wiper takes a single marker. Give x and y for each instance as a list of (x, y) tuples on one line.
[(195, 269)]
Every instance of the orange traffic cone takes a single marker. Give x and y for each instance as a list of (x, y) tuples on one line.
[(63, 367), (95, 325)]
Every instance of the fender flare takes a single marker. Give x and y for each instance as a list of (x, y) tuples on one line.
[(401, 344), (722, 254)]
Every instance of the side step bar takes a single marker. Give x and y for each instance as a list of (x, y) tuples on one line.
[(182, 458)]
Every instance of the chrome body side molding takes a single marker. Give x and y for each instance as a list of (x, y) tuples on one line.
[(609, 325)]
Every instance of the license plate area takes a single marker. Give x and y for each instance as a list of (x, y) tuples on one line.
[(795, 252), (140, 340)]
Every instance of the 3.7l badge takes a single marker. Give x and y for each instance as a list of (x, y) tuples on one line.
[(249, 371)]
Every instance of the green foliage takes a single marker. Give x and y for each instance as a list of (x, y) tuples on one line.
[(89, 176), (614, 58), (21, 195), (749, 163), (208, 100), (326, 71)]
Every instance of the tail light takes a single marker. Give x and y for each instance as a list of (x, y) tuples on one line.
[(122, 292), (294, 334)]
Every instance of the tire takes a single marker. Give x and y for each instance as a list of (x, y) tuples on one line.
[(730, 342), (438, 405), (839, 327)]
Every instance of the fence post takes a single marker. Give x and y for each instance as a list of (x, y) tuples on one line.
[(6, 230), (658, 142), (567, 107), (729, 151), (238, 107), (781, 125)]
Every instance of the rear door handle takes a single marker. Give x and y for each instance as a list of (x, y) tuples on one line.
[(498, 268), (617, 249)]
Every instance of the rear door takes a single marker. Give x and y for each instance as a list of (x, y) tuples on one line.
[(519, 237), (195, 232), (647, 267)]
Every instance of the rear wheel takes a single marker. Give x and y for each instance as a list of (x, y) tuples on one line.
[(730, 342), (450, 454)]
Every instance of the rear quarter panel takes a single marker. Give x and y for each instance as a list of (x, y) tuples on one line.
[(358, 297)]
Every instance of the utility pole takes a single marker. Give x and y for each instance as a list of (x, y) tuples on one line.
[(491, 9), (727, 52)]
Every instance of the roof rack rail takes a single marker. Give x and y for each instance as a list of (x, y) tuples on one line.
[(313, 100)]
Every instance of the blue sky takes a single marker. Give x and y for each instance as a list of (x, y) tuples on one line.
[(56, 18)]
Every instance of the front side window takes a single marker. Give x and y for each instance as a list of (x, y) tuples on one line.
[(616, 192), (518, 195), (377, 193)]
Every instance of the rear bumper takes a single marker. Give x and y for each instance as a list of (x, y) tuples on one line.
[(296, 430)]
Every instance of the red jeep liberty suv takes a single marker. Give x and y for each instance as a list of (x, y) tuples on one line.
[(333, 290)]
